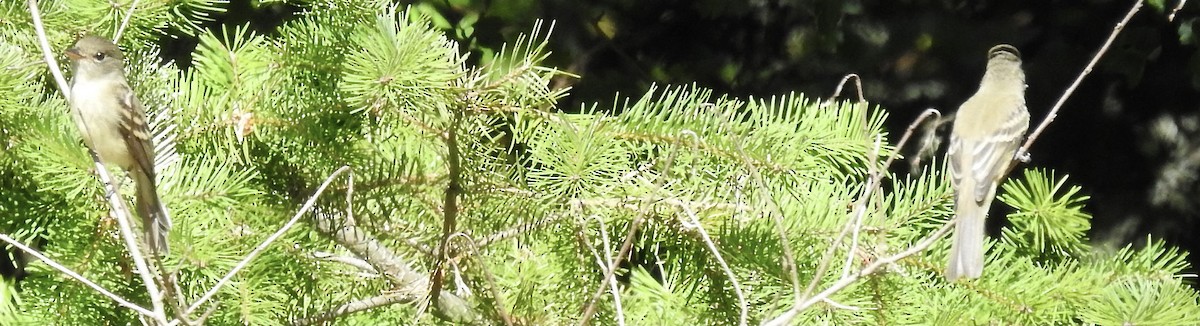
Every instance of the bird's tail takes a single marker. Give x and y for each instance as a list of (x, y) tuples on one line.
[(966, 254), (155, 222)]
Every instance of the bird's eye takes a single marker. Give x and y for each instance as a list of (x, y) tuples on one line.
[(99, 56)]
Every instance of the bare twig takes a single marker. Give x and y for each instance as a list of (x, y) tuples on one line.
[(171, 286), (627, 245), (366, 246), (839, 305), (517, 230), (204, 316), (356, 306), (352, 261), (743, 315), (605, 263), (121, 301), (789, 259), (263, 246), (491, 279), (350, 200), (131, 242), (51, 63), (1079, 79), (125, 21), (847, 228), (908, 132), (786, 318), (860, 208), (632, 202), (857, 85), (712, 247), (1178, 7), (610, 272)]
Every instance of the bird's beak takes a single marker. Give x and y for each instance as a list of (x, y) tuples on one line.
[(73, 53)]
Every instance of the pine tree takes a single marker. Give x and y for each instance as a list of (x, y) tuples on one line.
[(407, 171)]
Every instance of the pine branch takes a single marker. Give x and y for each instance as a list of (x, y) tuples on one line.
[(265, 243), (365, 304), (408, 284)]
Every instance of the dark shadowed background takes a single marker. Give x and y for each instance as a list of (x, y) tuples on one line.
[(1128, 135)]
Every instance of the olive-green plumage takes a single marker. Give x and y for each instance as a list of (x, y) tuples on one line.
[(988, 129)]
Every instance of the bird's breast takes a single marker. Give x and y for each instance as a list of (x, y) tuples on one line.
[(97, 113)]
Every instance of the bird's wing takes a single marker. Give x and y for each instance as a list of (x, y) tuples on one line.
[(988, 157), (136, 130)]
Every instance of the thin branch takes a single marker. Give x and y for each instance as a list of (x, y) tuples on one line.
[(785, 318), (847, 228), (627, 245), (204, 316), (789, 259), (125, 21), (908, 132), (632, 202), (263, 246), (517, 230), (737, 287), (491, 279), (51, 63), (610, 272), (857, 85), (860, 208), (418, 246), (840, 305), (605, 263), (366, 246), (171, 286), (352, 261), (350, 200), (76, 276), (743, 315), (1178, 7), (131, 241), (873, 183), (1078, 79), (355, 306)]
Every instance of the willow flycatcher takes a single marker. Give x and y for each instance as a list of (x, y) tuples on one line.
[(113, 124), (987, 131)]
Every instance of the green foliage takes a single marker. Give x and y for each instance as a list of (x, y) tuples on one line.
[(1136, 301), (402, 65), (1046, 221), (595, 161), (544, 199), (660, 300)]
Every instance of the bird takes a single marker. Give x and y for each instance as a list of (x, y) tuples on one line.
[(987, 132), (113, 124)]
